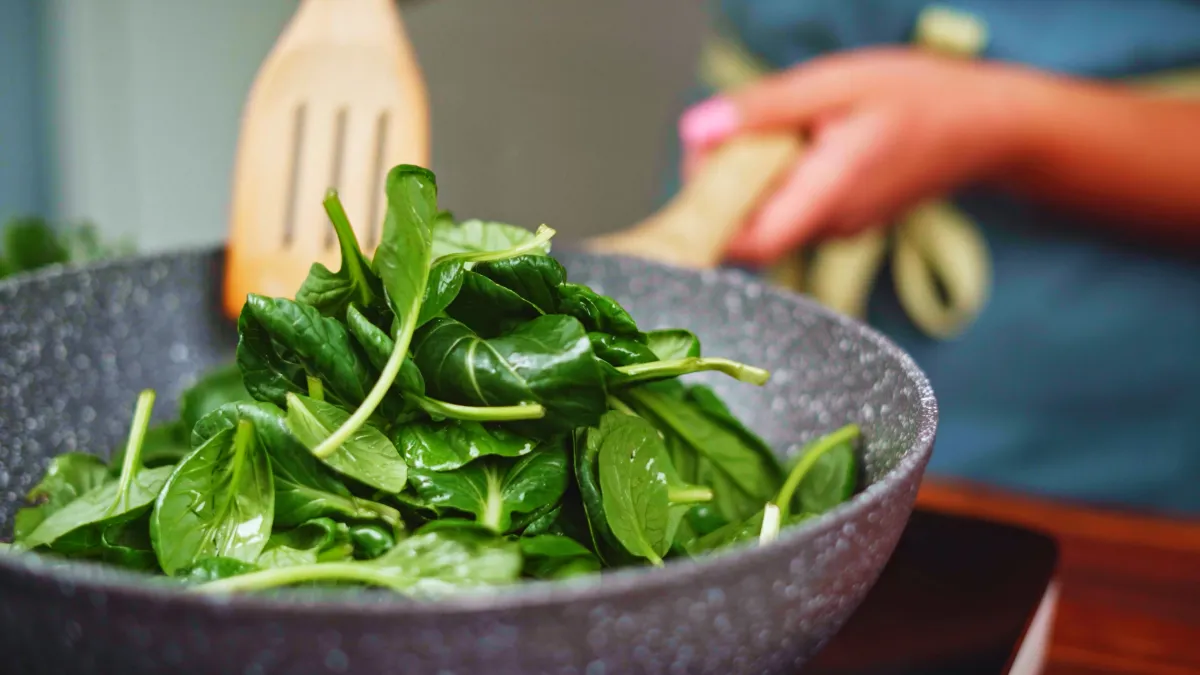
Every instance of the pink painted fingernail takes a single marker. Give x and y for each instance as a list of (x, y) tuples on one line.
[(708, 122)]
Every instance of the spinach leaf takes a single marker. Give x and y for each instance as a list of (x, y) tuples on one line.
[(548, 361), (757, 475), (320, 344), (402, 262), (619, 351), (738, 533), (535, 278), (318, 540), (425, 564), (488, 308), (30, 244), (122, 540), (825, 475), (332, 292), (268, 372), (212, 569), (673, 344), (217, 387), (494, 488), (598, 313), (366, 456), (370, 541), (552, 556), (304, 489), (480, 237), (445, 281), (586, 449), (67, 477), (219, 501), (378, 347), (111, 502), (446, 446), (644, 499)]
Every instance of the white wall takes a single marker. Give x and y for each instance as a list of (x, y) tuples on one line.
[(553, 111)]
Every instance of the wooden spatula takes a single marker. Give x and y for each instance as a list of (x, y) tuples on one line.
[(337, 102)]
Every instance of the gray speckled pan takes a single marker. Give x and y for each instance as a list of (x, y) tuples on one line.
[(77, 346)]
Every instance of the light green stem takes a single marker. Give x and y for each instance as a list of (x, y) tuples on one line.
[(133, 449), (807, 461), (617, 404), (693, 494), (315, 390), (391, 369), (493, 508), (287, 576), (770, 524), (506, 413), (660, 369), (544, 234)]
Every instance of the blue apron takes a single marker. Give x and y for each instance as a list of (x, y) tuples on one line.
[(1081, 378)]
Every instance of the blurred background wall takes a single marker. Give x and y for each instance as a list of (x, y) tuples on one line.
[(125, 112)]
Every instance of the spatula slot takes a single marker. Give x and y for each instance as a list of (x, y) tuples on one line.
[(374, 226), (290, 204), (335, 169)]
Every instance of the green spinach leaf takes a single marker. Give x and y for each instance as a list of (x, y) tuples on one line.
[(619, 351), (535, 278), (494, 488), (446, 446), (67, 477), (556, 557), (332, 292), (269, 372), (366, 456), (319, 540), (445, 281), (598, 313), (370, 541), (304, 488), (488, 308), (480, 237), (378, 347), (217, 387), (212, 569), (825, 475), (219, 501), (673, 344), (426, 564)]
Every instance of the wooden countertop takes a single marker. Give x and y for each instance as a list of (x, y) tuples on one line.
[(1130, 583)]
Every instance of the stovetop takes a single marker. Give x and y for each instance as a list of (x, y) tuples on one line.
[(958, 596)]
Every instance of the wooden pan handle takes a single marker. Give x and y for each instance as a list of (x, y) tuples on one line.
[(693, 229)]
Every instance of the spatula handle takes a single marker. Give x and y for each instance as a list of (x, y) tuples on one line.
[(696, 226)]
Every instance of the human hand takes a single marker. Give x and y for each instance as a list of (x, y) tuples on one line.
[(887, 128)]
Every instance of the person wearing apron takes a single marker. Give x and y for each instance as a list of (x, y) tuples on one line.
[(1079, 377)]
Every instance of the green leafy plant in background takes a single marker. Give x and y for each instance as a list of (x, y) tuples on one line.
[(29, 243), (451, 413)]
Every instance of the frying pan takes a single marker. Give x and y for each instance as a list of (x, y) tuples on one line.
[(76, 345)]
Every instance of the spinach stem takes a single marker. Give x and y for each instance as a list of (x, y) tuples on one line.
[(295, 574), (133, 449), (807, 461), (505, 413), (315, 390), (493, 508), (348, 243), (770, 524), (617, 404), (543, 235), (693, 494), (660, 369)]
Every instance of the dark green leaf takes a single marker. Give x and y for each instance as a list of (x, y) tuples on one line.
[(477, 236), (378, 347), (555, 557), (367, 455), (332, 292), (825, 475), (123, 541), (430, 563), (445, 446), (619, 351), (597, 313), (548, 360), (586, 448), (100, 506), (738, 533), (673, 344), (633, 484), (30, 244), (535, 278), (321, 345), (403, 257), (269, 373), (494, 488), (304, 488), (371, 541), (219, 501), (67, 477), (319, 540), (488, 308), (445, 280), (217, 387)]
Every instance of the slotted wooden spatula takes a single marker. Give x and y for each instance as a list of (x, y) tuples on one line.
[(337, 102)]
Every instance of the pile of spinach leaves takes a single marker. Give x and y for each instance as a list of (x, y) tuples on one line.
[(453, 412)]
